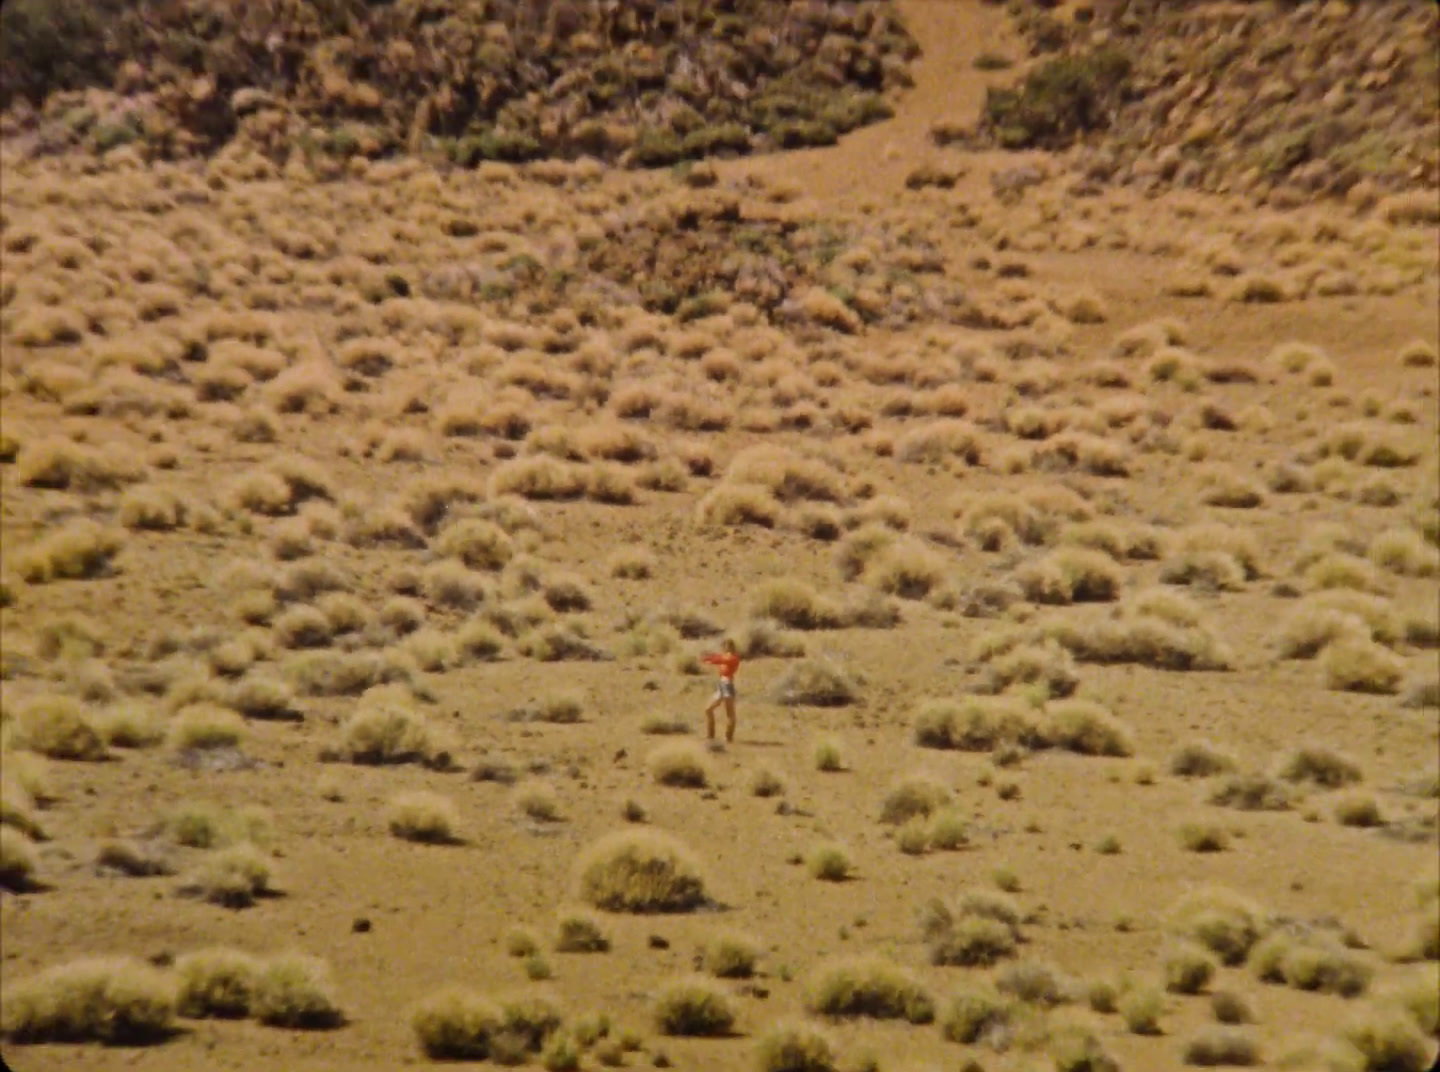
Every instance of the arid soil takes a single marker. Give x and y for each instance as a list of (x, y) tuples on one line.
[(1170, 461)]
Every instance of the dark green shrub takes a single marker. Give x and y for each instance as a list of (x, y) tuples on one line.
[(1059, 100)]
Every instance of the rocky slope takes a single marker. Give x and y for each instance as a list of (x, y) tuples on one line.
[(1285, 100)]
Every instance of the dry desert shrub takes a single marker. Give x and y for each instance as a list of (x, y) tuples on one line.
[(129, 725), (693, 1006), (1358, 809), (1417, 353), (640, 871), (1358, 664), (118, 1001), (1188, 968), (478, 544), (151, 509), (829, 862), (1201, 759), (978, 724), (869, 986), (1219, 919), (816, 682), (1140, 1007), (58, 727), (918, 795), (1385, 1039), (681, 764), (731, 956), (981, 928), (906, 568), (231, 877), (795, 1047), (384, 729), (1133, 542), (940, 441), (1034, 982), (739, 504), (859, 548), (1319, 766), (976, 1014), (1199, 835), (1252, 791), (18, 859), (423, 816), (79, 549), (1312, 961), (632, 563), (1039, 671), (18, 805), (1134, 634), (1224, 485), (787, 476), (829, 755), (761, 637), (1070, 575), (578, 931), (1404, 552), (538, 478), (65, 465), (1087, 728), (1218, 1045), (134, 858), (296, 991), (537, 800), (558, 642), (216, 982)]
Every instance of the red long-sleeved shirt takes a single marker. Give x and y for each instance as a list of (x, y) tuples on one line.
[(728, 662)]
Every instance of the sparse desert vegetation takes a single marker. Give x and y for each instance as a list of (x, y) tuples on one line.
[(399, 401)]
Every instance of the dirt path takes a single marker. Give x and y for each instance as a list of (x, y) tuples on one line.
[(873, 161)]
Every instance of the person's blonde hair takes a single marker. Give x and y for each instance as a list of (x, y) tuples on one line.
[(728, 645)]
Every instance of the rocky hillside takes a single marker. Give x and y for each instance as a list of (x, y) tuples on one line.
[(1280, 98), (642, 82)]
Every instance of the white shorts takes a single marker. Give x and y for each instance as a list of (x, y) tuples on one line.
[(725, 690)]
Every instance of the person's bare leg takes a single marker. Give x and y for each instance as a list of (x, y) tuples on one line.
[(710, 718), (729, 718)]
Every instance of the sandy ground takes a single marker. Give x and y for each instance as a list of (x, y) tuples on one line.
[(440, 914)]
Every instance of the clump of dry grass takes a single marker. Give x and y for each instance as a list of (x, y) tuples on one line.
[(1219, 919), (80, 549), (456, 1024), (1201, 759), (58, 727), (1320, 766), (423, 816), (795, 1047), (978, 724), (1312, 961), (681, 764), (1357, 664), (640, 871), (1252, 791), (1037, 671), (1034, 982), (1140, 1007), (1141, 631), (19, 861), (232, 877), (916, 796), (693, 1006), (976, 1014), (816, 683), (869, 986), (729, 504), (202, 726), (65, 465), (731, 956), (216, 982), (118, 1001), (296, 991), (1217, 1045), (1188, 968), (1384, 1039), (580, 932), (1071, 575), (1198, 835), (829, 862), (981, 928), (384, 729), (1087, 728), (795, 604)]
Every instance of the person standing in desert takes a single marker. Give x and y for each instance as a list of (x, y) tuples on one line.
[(728, 661)]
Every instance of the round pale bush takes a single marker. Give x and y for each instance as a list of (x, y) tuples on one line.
[(640, 871)]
